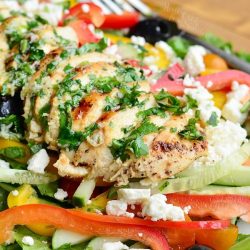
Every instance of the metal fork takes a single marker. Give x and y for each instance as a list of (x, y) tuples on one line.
[(119, 6)]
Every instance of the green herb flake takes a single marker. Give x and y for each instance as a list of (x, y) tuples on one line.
[(190, 132), (13, 152), (163, 186), (246, 107), (213, 119), (173, 130), (133, 143)]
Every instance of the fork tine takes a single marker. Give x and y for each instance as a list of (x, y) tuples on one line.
[(141, 7), (124, 5), (113, 6), (102, 6)]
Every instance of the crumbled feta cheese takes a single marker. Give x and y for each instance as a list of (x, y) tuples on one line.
[(28, 240), (149, 60), (85, 8), (157, 208), (114, 246), (231, 109), (38, 162), (51, 12), (187, 209), (15, 192), (133, 196), (223, 140), (205, 102), (118, 208), (4, 164), (170, 54), (193, 61), (138, 40), (60, 194), (140, 234), (153, 68)]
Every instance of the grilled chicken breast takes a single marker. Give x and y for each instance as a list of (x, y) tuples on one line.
[(97, 111)]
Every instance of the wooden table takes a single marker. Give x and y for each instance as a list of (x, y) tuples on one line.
[(227, 19)]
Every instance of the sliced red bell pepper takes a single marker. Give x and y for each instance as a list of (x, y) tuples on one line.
[(62, 218), (171, 81), (222, 207), (88, 12), (84, 34), (221, 80), (125, 20), (160, 224)]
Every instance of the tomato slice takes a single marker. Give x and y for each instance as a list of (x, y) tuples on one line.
[(125, 20), (84, 34), (218, 206), (160, 224), (62, 218), (88, 12), (171, 81), (221, 81)]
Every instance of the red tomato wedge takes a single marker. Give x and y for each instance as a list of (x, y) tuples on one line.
[(88, 12), (221, 81), (222, 207), (84, 34), (171, 81), (62, 218), (125, 20), (215, 224)]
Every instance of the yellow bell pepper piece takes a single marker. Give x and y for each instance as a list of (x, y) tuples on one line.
[(5, 143), (219, 98), (25, 194), (99, 203), (161, 58), (209, 72), (72, 2)]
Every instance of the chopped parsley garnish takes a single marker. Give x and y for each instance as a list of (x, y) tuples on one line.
[(128, 74), (152, 111), (90, 47), (246, 107), (171, 103), (72, 139), (133, 143), (111, 103), (190, 132), (163, 186), (43, 113), (104, 84), (13, 152), (213, 119), (14, 124), (173, 130)]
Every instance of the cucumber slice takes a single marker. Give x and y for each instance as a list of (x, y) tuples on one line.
[(127, 51), (214, 189), (97, 243), (238, 177), (138, 245), (242, 245), (15, 176), (63, 237), (195, 178), (83, 193)]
